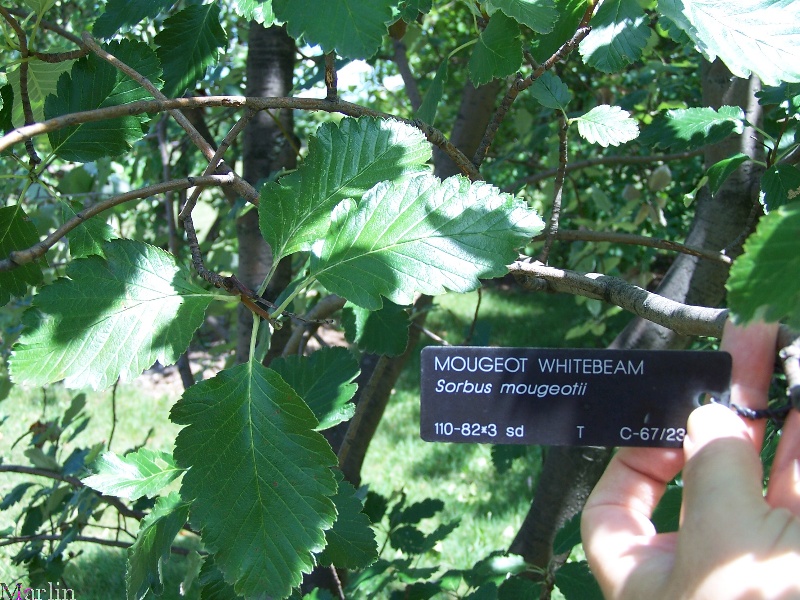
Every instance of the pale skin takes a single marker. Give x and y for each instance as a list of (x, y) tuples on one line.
[(734, 541)]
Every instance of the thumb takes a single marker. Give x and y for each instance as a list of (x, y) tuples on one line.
[(723, 473)]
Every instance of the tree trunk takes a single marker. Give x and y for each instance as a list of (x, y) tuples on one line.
[(270, 68), (569, 474)]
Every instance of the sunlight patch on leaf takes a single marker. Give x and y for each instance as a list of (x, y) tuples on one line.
[(141, 473), (607, 125)]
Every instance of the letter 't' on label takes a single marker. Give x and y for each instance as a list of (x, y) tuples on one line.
[(565, 396)]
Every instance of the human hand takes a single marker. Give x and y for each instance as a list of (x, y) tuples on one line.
[(733, 541)]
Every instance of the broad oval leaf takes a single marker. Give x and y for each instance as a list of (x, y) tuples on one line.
[(353, 28), (421, 235), (619, 34), (17, 232), (111, 317), (343, 161), (141, 473), (760, 284), (498, 52), (550, 91), (260, 477), (607, 125), (759, 36)]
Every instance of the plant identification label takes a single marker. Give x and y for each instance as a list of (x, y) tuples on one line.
[(566, 397)]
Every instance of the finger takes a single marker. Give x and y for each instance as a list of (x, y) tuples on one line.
[(784, 481), (753, 351), (617, 533)]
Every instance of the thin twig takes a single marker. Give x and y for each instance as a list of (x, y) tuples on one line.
[(21, 257), (331, 79), (558, 188), (338, 582), (474, 322), (604, 161), (683, 319), (113, 413), (20, 539), (571, 235), (321, 310), (57, 57)]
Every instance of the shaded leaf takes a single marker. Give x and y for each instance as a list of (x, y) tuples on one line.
[(354, 28), (351, 541), (260, 480), (576, 582), (424, 509), (214, 586), (88, 237), (690, 128), (343, 161), (550, 91), (152, 546), (607, 125), (719, 172), (498, 52), (780, 184), (667, 515), (762, 282), (619, 34), (7, 104), (17, 232), (421, 235), (91, 84), (188, 43), (430, 103), (759, 36), (141, 473), (570, 15), (121, 13), (110, 317), (568, 536), (518, 588), (384, 331), (324, 380), (410, 9), (42, 81), (539, 15)]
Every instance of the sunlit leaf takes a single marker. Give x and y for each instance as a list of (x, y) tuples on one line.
[(759, 36), (762, 283), (607, 125), (421, 235), (42, 81), (619, 34), (498, 52), (353, 28), (141, 473), (689, 128), (188, 43), (539, 15), (324, 380), (260, 477), (259, 11), (17, 233), (110, 317)]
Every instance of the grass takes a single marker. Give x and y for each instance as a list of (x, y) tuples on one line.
[(489, 504)]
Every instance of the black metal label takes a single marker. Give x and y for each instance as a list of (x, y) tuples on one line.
[(565, 397)]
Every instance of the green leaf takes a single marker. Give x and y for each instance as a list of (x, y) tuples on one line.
[(259, 11), (690, 128), (498, 52), (260, 479), (516, 588), (667, 515), (539, 15), (410, 9), (343, 161), (152, 546), (351, 541), (718, 173), (550, 91), (91, 84), (762, 282), (121, 13), (430, 103), (383, 331), (353, 28), (88, 237), (141, 473), (214, 586), (424, 509), (421, 235), (780, 184), (324, 380), (17, 232), (576, 582), (188, 43), (570, 15), (568, 536), (110, 317), (42, 81), (619, 34), (7, 103), (759, 36), (607, 125)]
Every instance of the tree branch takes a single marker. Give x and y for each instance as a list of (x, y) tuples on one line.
[(603, 160), (331, 79), (21, 257), (19, 539), (571, 235), (683, 319), (558, 188)]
